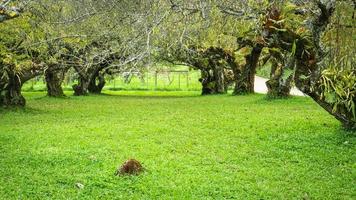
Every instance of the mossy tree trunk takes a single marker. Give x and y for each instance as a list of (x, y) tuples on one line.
[(91, 78), (212, 82), (54, 79), (92, 81), (97, 83), (245, 75), (85, 76), (213, 63), (10, 94), (207, 82), (81, 89), (279, 84), (10, 87), (219, 77)]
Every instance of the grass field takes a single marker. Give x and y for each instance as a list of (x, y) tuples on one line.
[(193, 147)]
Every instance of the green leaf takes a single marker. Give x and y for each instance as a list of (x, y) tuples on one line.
[(287, 73), (330, 97), (303, 77), (294, 48), (278, 29)]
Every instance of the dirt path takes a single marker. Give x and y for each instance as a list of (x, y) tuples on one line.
[(260, 87)]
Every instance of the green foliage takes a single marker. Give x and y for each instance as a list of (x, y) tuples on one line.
[(291, 20), (294, 48), (339, 88), (13, 56), (287, 73)]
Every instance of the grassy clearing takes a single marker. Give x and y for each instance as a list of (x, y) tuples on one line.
[(194, 147)]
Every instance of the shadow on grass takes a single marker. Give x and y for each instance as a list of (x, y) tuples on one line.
[(145, 94), (66, 97), (25, 110), (151, 94), (267, 100)]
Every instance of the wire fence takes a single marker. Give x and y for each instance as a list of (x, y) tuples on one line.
[(175, 80)]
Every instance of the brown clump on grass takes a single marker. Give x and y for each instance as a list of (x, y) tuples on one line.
[(130, 167)]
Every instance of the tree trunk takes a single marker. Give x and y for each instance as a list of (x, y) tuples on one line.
[(212, 63), (54, 81), (245, 76), (278, 85), (229, 77), (278, 88), (219, 79), (215, 78), (10, 94), (81, 89), (213, 81), (97, 83), (207, 83)]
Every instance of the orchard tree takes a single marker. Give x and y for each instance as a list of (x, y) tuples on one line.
[(208, 30), (18, 63), (215, 65), (332, 87), (99, 35)]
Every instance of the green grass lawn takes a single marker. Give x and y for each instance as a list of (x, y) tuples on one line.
[(193, 147)]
